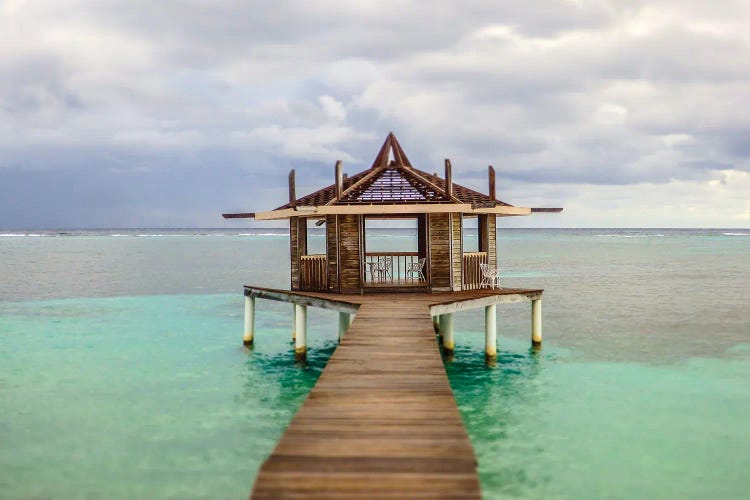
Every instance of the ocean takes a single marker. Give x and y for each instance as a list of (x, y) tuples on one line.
[(122, 371)]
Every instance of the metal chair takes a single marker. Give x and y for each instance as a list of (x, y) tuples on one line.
[(489, 276), (416, 268), (384, 268)]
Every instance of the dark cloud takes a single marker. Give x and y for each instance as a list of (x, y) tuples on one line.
[(141, 107)]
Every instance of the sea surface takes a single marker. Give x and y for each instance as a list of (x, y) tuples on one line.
[(122, 371)]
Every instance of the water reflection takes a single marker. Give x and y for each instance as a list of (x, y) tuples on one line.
[(494, 402)]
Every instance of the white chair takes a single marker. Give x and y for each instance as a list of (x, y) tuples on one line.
[(384, 268), (489, 276), (415, 269)]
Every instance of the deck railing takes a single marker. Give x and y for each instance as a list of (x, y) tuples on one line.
[(472, 272), (394, 273), (313, 275)]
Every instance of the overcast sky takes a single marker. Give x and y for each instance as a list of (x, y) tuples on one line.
[(164, 114)]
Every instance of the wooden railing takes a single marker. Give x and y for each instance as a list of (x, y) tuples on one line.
[(390, 268), (313, 275), (472, 272)]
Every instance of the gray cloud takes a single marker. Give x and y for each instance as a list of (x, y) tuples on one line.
[(140, 95)]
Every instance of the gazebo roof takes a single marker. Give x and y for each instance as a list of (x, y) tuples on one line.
[(392, 186), (392, 180)]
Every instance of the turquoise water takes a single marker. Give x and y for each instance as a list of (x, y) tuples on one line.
[(122, 372)]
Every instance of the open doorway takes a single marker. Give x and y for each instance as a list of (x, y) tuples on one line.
[(395, 251)]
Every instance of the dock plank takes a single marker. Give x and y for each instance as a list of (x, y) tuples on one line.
[(381, 421)]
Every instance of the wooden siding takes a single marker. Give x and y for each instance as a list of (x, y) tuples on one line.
[(294, 252), (313, 273), (492, 240), (440, 250), (457, 246), (350, 251), (332, 252)]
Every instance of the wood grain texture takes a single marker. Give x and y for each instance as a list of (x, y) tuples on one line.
[(332, 252), (381, 421), (349, 253), (492, 240), (457, 247), (294, 252), (440, 250)]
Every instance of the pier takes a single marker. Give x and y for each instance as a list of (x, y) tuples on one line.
[(381, 421)]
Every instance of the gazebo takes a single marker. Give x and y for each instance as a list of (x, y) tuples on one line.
[(392, 189)]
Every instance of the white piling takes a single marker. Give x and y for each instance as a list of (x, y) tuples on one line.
[(490, 332), (446, 328), (536, 323), (294, 322), (249, 321), (300, 328), (345, 320)]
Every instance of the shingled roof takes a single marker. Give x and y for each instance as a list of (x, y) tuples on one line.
[(392, 180)]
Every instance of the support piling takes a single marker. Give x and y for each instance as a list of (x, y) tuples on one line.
[(247, 339), (345, 320), (300, 328), (490, 332), (536, 323), (446, 327)]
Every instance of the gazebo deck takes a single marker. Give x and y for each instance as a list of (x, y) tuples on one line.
[(381, 421)]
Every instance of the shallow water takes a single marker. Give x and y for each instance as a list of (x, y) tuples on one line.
[(122, 374)]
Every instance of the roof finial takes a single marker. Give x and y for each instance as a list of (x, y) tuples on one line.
[(391, 147)]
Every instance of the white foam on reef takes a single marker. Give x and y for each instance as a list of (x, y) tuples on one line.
[(631, 235), (263, 234), (736, 234), (22, 235)]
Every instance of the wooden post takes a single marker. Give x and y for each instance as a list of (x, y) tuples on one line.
[(536, 323), (448, 179), (491, 174), (292, 189), (300, 342), (249, 321), (490, 332), (446, 324), (345, 320), (339, 180)]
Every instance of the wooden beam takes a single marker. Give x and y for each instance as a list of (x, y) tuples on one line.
[(500, 210), (339, 180), (245, 215), (416, 208), (299, 299), (292, 189), (537, 210), (465, 305), (491, 175), (448, 179)]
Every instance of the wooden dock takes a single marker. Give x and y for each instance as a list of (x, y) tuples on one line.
[(381, 421)]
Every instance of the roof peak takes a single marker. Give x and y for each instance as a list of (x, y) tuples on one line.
[(391, 149)]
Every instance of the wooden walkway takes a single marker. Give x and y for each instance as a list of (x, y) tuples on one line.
[(381, 421)]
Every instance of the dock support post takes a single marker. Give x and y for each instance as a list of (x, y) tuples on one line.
[(490, 332), (300, 329), (294, 322), (446, 328), (249, 321), (536, 323), (345, 319)]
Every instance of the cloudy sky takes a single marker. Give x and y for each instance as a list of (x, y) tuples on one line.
[(137, 113)]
